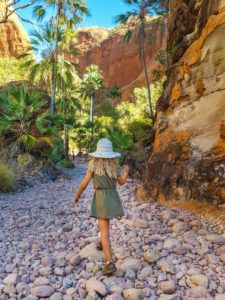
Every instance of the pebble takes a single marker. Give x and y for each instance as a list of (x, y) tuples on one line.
[(151, 256), (133, 294), (197, 280), (42, 291), (95, 285), (11, 279), (171, 243), (168, 287), (131, 264)]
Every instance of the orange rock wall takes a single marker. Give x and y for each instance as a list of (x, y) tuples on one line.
[(120, 61), (188, 157), (13, 37)]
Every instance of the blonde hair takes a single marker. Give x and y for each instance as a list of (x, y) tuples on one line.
[(104, 166)]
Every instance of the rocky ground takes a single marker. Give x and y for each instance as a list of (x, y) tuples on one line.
[(47, 249)]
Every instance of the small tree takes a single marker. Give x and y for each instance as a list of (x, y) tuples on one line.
[(68, 104), (92, 81), (140, 10)]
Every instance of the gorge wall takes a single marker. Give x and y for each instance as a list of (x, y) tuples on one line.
[(13, 38), (119, 61), (188, 155)]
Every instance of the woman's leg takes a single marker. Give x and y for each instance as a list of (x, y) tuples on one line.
[(105, 238)]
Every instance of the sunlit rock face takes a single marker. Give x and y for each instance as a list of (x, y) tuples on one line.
[(13, 37), (119, 61), (188, 157)]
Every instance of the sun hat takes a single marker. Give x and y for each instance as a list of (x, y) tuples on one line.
[(104, 150)]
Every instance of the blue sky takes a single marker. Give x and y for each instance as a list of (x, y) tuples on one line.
[(102, 13)]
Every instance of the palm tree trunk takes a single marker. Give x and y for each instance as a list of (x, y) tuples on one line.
[(66, 142), (55, 66), (146, 76), (92, 118)]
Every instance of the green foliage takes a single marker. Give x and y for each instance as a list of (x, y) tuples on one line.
[(92, 81), (113, 92), (11, 69), (121, 140), (7, 182), (25, 159), (24, 121), (66, 164), (40, 67)]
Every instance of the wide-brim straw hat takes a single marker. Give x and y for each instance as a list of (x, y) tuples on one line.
[(104, 150)]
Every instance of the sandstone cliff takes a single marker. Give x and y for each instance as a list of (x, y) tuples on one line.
[(119, 61), (13, 37), (188, 157)]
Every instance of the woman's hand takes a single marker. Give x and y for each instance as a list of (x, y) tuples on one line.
[(126, 169), (75, 198)]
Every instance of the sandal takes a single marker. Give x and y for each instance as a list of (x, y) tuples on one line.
[(109, 268)]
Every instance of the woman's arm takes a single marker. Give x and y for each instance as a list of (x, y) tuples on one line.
[(82, 186), (123, 178)]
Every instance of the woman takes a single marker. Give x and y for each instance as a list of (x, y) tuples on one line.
[(105, 171)]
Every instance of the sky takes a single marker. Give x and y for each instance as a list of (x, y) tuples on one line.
[(102, 13)]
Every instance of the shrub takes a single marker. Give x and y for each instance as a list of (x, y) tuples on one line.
[(7, 176), (11, 70), (66, 164), (25, 159)]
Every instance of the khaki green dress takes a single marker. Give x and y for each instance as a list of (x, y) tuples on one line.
[(106, 203)]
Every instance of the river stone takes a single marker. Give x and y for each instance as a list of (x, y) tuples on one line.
[(130, 274), (171, 243), (216, 239), (166, 266), (90, 252), (114, 296), (92, 295), (9, 289), (56, 296), (95, 285), (22, 287), (30, 297), (222, 257), (70, 291), (168, 297), (180, 227), (43, 291), (45, 271), (11, 279), (146, 272), (131, 264), (197, 280), (151, 256), (141, 223), (73, 259), (133, 294), (168, 215), (40, 281), (220, 297), (168, 287)]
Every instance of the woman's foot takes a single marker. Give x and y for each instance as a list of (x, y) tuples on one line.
[(109, 268), (99, 246)]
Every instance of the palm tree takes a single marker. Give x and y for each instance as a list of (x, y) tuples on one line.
[(41, 66), (140, 10), (92, 81), (68, 14), (68, 105), (24, 120)]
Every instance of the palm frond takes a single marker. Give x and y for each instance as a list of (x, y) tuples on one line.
[(128, 35)]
